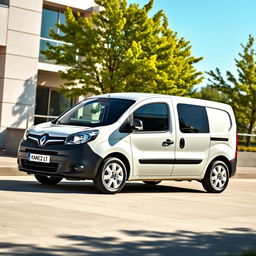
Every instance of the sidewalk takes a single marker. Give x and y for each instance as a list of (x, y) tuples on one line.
[(8, 167)]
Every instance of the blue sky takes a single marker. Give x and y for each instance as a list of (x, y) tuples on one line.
[(215, 28)]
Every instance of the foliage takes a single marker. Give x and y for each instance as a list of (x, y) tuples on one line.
[(246, 149), (247, 253), (210, 93), (240, 91), (243, 142), (120, 49)]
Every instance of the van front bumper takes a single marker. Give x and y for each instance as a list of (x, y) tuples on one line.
[(76, 162)]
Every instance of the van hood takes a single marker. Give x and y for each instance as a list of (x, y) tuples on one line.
[(57, 130)]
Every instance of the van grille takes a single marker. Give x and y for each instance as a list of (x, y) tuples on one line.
[(42, 167)]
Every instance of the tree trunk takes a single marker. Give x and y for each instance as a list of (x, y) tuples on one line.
[(249, 131), (248, 141)]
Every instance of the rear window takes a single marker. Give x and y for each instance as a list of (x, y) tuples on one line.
[(193, 119)]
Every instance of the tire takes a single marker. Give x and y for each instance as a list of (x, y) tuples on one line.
[(46, 180), (216, 177), (151, 182), (111, 176)]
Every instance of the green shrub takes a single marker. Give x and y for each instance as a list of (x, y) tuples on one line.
[(248, 253), (246, 149), (243, 142)]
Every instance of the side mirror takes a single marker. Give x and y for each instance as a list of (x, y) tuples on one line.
[(137, 125)]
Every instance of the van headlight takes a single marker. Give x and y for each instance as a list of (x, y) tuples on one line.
[(81, 137)]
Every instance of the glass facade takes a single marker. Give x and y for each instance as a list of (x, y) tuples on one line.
[(50, 102), (49, 20)]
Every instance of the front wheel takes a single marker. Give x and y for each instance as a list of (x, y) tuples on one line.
[(216, 177), (111, 176), (47, 180)]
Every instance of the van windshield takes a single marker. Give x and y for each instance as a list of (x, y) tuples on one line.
[(96, 112)]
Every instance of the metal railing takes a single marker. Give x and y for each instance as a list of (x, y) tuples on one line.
[(39, 116), (243, 139), (246, 135), (4, 2)]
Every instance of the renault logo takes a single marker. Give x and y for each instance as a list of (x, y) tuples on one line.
[(42, 141)]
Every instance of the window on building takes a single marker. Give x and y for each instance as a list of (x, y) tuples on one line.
[(4, 2), (153, 116), (192, 119), (50, 102), (49, 20)]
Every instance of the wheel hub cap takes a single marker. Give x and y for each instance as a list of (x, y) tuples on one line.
[(218, 177), (113, 176)]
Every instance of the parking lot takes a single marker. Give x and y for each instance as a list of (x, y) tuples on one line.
[(169, 219)]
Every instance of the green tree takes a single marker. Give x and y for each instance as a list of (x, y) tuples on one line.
[(241, 91), (120, 49), (210, 93)]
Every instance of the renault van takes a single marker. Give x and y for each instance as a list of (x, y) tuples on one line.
[(121, 137)]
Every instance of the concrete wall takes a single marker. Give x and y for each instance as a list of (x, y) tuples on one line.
[(49, 79), (14, 135), (246, 159), (3, 24), (18, 80)]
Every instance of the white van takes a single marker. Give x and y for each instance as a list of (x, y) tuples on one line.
[(117, 137)]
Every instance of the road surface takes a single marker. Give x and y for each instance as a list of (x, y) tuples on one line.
[(172, 218)]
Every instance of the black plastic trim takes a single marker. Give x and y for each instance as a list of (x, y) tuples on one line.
[(157, 161), (218, 139), (170, 161), (233, 167), (188, 161)]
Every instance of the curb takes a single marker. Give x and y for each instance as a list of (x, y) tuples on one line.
[(241, 175), (11, 171)]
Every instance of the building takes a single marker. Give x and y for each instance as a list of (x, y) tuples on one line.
[(28, 82)]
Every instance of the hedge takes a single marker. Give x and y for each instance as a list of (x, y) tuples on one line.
[(246, 149)]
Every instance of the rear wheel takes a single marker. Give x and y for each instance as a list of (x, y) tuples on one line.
[(111, 176), (151, 182), (216, 177), (47, 180)]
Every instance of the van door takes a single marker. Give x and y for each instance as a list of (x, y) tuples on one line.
[(153, 146), (193, 139)]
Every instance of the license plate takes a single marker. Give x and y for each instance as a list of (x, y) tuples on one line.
[(39, 158)]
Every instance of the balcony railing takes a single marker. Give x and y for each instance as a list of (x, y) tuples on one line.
[(30, 118), (4, 2), (44, 46)]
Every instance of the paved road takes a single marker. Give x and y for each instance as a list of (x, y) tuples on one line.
[(170, 219)]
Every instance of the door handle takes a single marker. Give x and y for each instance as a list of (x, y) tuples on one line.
[(167, 143), (182, 143)]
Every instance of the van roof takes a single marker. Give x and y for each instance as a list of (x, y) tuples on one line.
[(131, 95), (140, 96)]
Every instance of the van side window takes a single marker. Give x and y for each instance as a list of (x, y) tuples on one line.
[(193, 119), (154, 116)]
